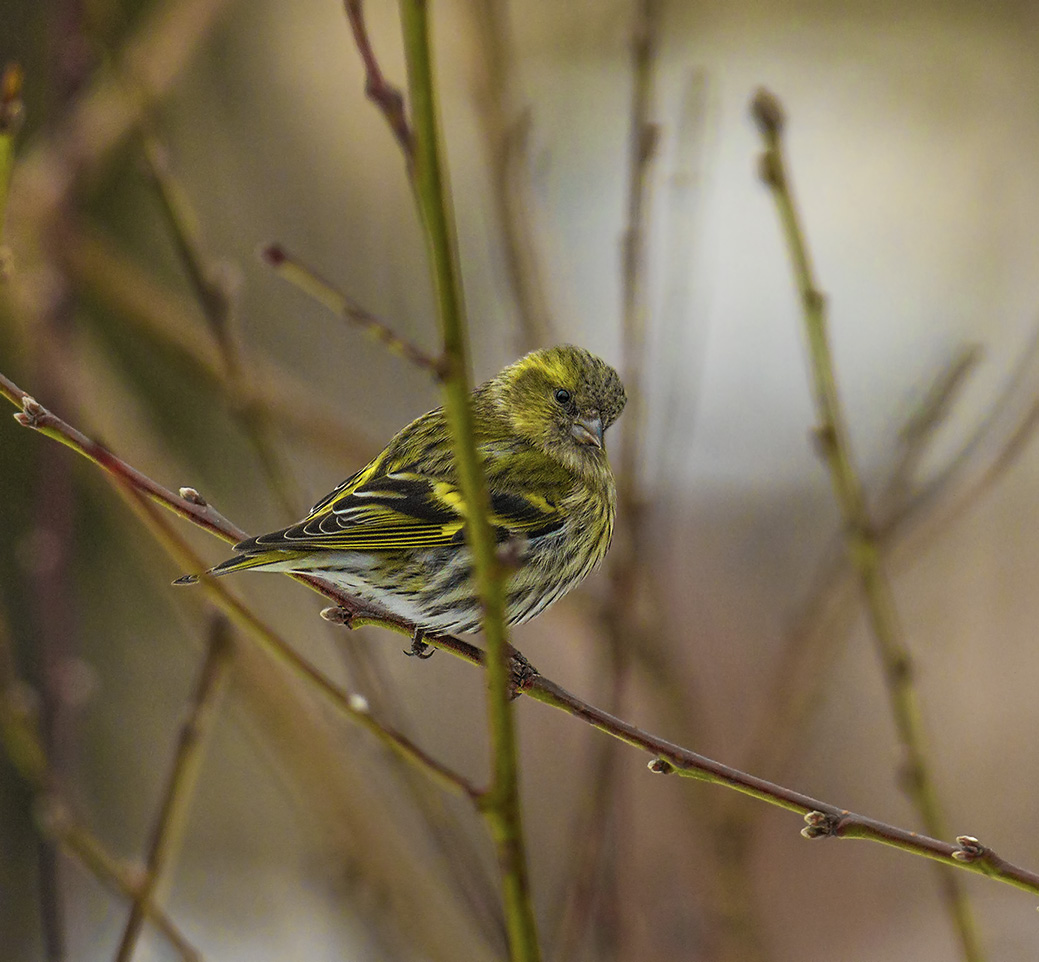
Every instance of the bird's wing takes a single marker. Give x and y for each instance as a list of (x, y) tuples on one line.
[(401, 510)]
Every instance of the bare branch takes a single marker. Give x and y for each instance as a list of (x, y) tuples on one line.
[(862, 543), (379, 91), (169, 827), (308, 280)]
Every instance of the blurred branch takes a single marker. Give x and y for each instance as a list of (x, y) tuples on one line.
[(500, 802), (95, 264), (862, 543), (11, 116), (996, 442), (623, 616), (213, 287), (106, 113), (310, 282), (507, 131), (916, 435), (21, 740), (180, 787)]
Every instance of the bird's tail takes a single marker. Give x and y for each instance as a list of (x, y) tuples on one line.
[(243, 562)]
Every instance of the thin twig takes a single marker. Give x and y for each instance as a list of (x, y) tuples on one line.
[(507, 131), (622, 615), (667, 755), (169, 828), (308, 280), (11, 116), (21, 740), (862, 543), (94, 263), (213, 288), (379, 91)]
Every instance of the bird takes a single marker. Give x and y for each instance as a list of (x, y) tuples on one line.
[(392, 535)]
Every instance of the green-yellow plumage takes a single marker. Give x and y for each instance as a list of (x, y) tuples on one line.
[(393, 533)]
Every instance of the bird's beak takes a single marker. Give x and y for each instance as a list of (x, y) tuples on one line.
[(588, 431)]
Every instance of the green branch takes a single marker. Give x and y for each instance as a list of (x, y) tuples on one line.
[(500, 804)]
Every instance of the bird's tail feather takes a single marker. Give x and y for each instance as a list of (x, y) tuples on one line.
[(242, 563)]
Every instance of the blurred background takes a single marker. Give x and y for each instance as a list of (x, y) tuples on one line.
[(725, 620)]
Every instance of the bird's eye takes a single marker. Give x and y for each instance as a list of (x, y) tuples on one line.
[(562, 395)]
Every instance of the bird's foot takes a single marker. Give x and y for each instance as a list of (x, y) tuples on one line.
[(419, 648), (521, 673)]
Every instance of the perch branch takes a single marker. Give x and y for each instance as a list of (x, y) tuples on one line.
[(668, 757)]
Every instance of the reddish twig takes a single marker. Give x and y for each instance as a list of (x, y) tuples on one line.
[(377, 88)]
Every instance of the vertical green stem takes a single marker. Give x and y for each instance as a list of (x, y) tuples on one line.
[(500, 804)]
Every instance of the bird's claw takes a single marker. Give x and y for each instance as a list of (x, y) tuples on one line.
[(419, 648)]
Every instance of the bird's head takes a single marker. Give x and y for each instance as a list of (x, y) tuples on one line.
[(561, 399)]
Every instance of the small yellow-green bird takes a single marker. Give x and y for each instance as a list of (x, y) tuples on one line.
[(393, 533)]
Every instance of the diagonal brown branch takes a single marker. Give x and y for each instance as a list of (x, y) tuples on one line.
[(668, 757)]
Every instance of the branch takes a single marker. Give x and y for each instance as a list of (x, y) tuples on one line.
[(11, 116), (862, 542), (183, 777), (668, 757), (21, 740), (500, 803), (379, 91), (308, 280), (673, 759), (161, 314)]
